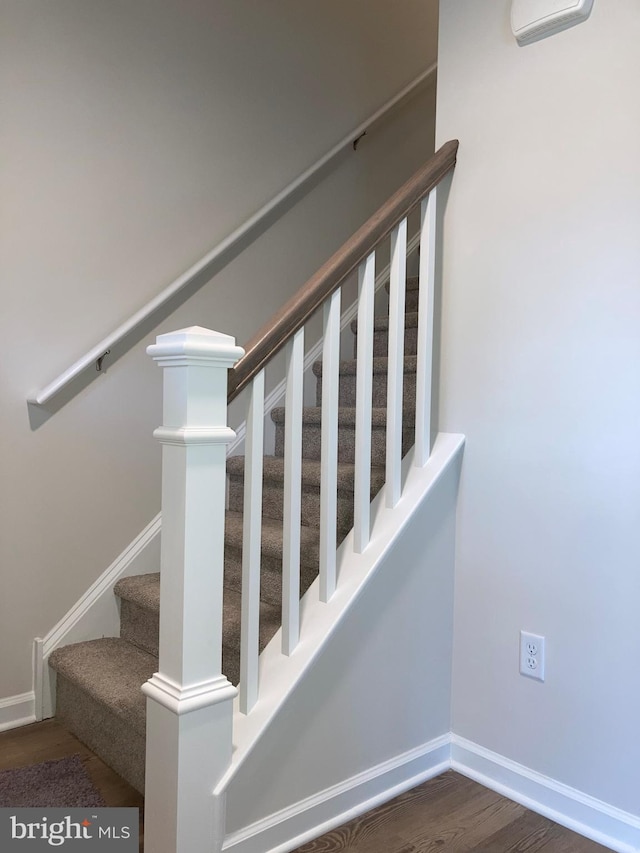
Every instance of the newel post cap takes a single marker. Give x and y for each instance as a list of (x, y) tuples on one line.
[(197, 346)]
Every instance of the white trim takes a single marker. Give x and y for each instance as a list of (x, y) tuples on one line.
[(89, 359), (38, 677), (567, 806), (183, 700), (288, 829), (16, 711), (96, 613), (189, 436)]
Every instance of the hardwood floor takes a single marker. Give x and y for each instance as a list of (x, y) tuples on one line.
[(451, 814)]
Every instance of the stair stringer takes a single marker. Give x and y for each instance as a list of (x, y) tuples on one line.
[(361, 709)]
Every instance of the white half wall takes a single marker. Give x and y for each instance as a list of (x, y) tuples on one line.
[(134, 138), (376, 703), (541, 371)]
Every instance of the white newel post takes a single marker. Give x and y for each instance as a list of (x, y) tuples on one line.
[(190, 702)]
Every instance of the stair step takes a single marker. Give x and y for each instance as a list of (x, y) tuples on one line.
[(411, 293), (272, 538), (311, 442), (270, 557), (347, 380), (139, 608), (98, 681), (273, 489), (98, 698), (140, 604), (381, 334), (111, 671)]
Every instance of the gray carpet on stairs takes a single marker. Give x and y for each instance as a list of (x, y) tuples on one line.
[(98, 682)]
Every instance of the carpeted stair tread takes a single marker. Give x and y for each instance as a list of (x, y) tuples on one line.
[(348, 367), (111, 671), (346, 416), (273, 472), (311, 429), (147, 638), (413, 283), (411, 293), (348, 381), (143, 590), (272, 538), (269, 623), (270, 577), (273, 505), (381, 324)]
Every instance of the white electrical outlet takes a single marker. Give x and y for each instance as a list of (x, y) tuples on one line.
[(532, 655)]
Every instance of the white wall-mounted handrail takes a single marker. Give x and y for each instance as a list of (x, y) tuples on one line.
[(90, 358)]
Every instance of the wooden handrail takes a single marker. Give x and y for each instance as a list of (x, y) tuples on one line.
[(294, 314)]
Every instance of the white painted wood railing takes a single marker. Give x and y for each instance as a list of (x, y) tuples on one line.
[(189, 699)]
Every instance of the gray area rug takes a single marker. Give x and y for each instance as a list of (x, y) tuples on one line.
[(63, 783)]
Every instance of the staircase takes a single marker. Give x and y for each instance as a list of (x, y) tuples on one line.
[(98, 681), (266, 561)]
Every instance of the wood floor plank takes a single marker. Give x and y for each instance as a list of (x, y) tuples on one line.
[(529, 833), (458, 831), (569, 842), (532, 833)]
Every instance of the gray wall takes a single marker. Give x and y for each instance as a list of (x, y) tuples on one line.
[(541, 371), (134, 137)]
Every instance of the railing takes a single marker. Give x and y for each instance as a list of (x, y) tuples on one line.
[(189, 720), (201, 271)]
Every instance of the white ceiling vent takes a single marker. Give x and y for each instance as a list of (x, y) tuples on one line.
[(535, 19)]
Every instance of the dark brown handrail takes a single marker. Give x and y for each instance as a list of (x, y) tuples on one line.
[(295, 313)]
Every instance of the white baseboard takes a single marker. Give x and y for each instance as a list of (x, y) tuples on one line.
[(16, 711), (96, 614), (605, 824), (291, 827)]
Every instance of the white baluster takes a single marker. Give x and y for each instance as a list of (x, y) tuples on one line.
[(397, 285), (364, 385), (329, 448), (190, 702), (292, 494), (251, 541), (424, 368)]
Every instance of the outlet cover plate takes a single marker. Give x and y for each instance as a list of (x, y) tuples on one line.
[(532, 657)]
